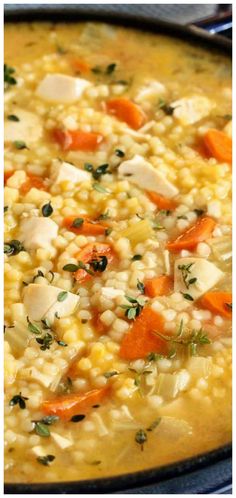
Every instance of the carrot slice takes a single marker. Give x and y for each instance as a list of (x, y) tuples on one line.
[(7, 175), (158, 286), (219, 145), (161, 201), (69, 405), (33, 182), (140, 339), (125, 110), (88, 227), (80, 65), (218, 302), (77, 139), (91, 251), (198, 232)]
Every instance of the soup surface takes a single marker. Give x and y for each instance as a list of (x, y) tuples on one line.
[(117, 251)]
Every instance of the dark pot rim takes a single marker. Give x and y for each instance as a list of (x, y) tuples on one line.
[(71, 13)]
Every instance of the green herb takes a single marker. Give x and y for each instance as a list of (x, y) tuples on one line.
[(94, 462), (46, 341), (111, 68), (140, 286), (13, 247), (8, 78), (100, 189), (166, 108), (182, 217), (191, 339), (52, 276), (32, 327), (61, 50), (119, 153), (96, 70), (187, 296), (5, 209), (103, 216), (20, 145), (82, 266), (154, 356), (66, 386), (77, 418), (136, 257), (49, 419), (108, 375), (47, 210), (108, 231), (141, 437), (62, 296), (70, 267), (45, 460), (99, 263), (156, 225), (165, 212), (13, 117), (62, 343), (20, 400), (97, 172), (77, 223), (41, 429), (133, 310), (229, 306), (199, 212), (45, 323), (39, 274), (186, 271), (154, 424)]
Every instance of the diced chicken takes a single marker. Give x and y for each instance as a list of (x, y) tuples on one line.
[(61, 441), (111, 292), (28, 129), (62, 171), (199, 367), (206, 274), (189, 110), (33, 374), (151, 91), (140, 172), (37, 232), (61, 88), (41, 301), (228, 129)]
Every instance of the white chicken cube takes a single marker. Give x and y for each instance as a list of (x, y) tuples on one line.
[(189, 110), (37, 232), (61, 441), (28, 129), (151, 91), (60, 88), (41, 301), (140, 172), (204, 273), (111, 292), (62, 171)]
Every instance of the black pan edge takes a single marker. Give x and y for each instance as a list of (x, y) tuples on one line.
[(70, 13), (125, 481)]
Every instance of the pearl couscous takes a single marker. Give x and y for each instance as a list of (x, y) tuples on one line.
[(117, 251)]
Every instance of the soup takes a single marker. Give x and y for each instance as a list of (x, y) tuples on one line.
[(117, 251)]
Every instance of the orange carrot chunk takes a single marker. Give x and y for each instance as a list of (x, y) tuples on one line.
[(161, 201), (198, 232), (80, 65), (77, 140), (125, 110), (69, 405), (33, 181), (219, 303), (89, 252), (219, 145), (158, 286), (87, 227), (141, 339)]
